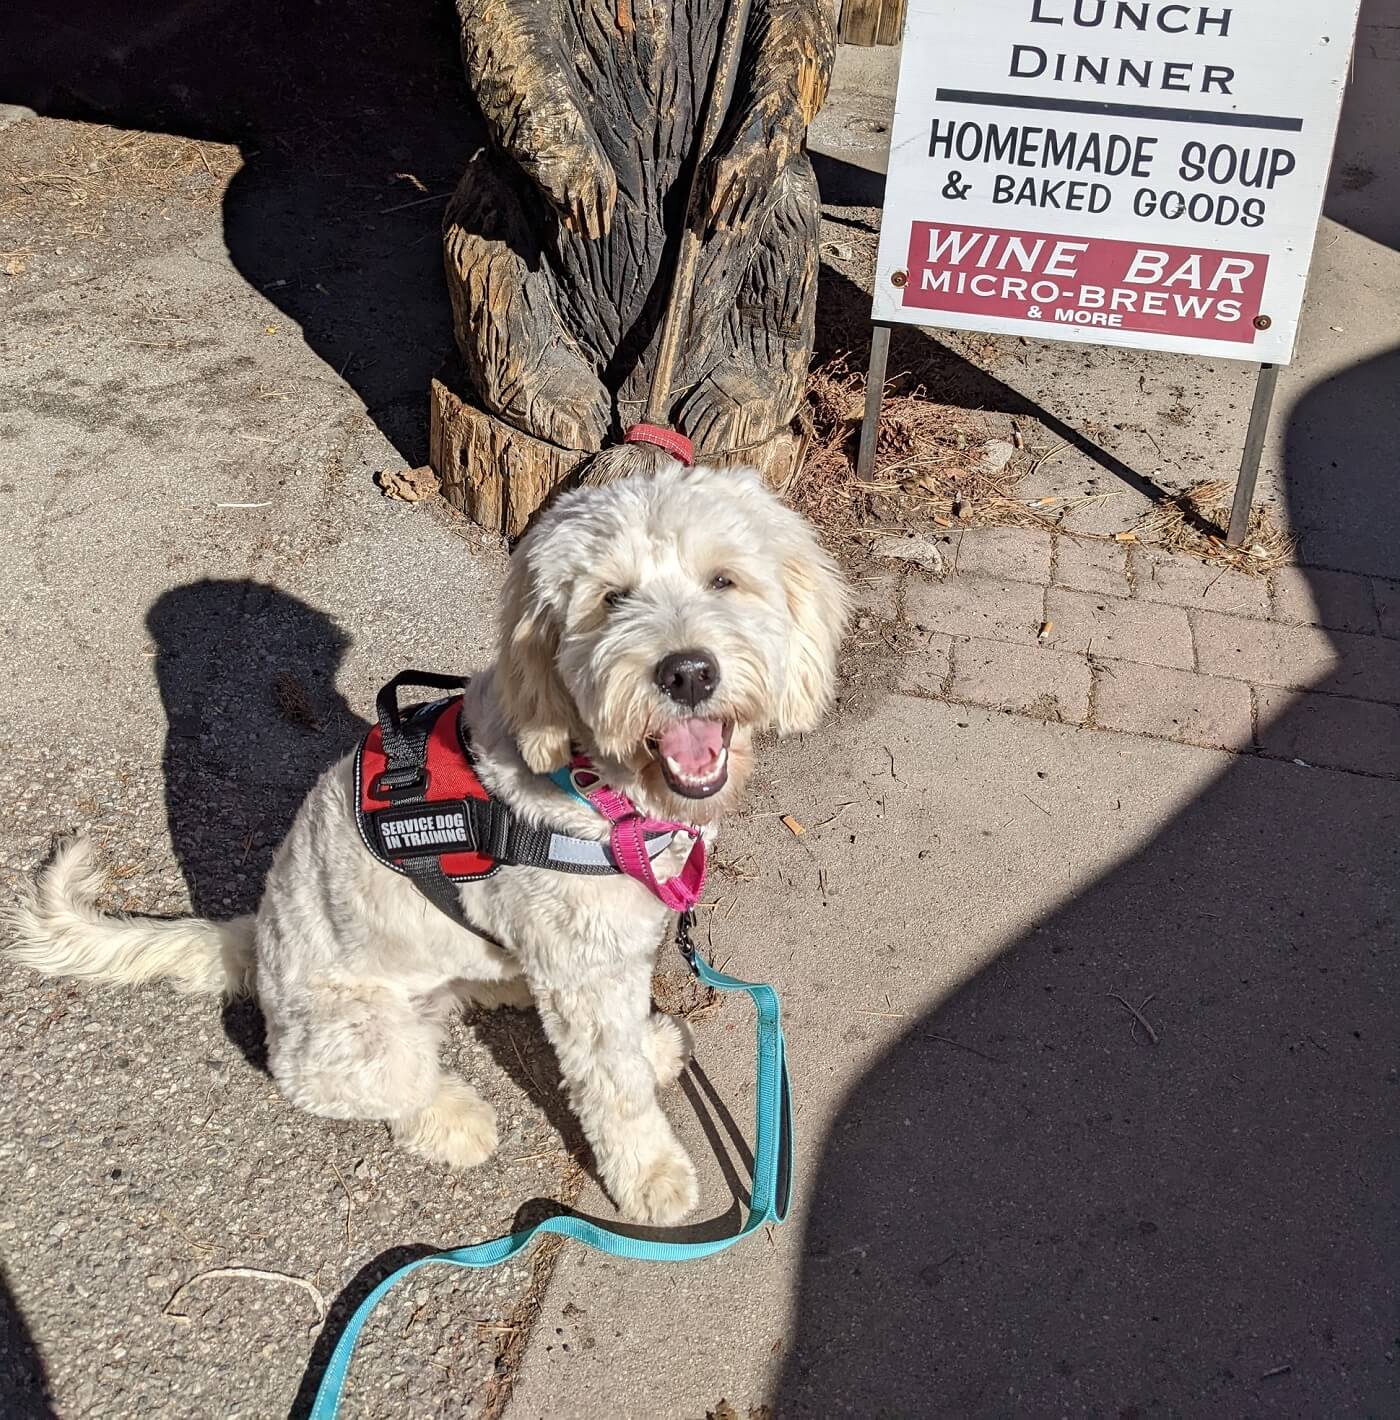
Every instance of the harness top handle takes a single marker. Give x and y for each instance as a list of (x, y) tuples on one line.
[(404, 751)]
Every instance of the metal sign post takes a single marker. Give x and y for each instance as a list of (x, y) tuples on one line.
[(874, 399), (1264, 385)]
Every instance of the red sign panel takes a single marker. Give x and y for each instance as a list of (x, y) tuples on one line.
[(1085, 281)]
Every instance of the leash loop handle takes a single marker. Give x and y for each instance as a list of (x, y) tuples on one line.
[(768, 1197)]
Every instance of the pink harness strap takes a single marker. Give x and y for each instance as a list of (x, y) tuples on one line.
[(628, 839)]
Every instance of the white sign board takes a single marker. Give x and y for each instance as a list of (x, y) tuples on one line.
[(1118, 172)]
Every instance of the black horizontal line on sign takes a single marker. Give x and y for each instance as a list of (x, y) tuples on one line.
[(1107, 110)]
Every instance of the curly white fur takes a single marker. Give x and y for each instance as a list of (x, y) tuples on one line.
[(355, 971)]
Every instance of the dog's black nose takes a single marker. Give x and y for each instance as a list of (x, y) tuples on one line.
[(688, 677)]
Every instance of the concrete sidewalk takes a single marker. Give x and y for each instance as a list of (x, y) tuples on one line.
[(1011, 1200)]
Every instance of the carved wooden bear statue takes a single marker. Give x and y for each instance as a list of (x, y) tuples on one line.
[(561, 234)]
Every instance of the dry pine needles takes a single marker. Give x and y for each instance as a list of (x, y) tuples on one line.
[(934, 463)]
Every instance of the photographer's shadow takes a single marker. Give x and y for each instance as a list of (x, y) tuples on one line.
[(1082, 1216), (247, 679)]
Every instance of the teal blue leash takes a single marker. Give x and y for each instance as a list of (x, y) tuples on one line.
[(768, 1197)]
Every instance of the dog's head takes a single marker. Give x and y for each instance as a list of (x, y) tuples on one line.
[(660, 621)]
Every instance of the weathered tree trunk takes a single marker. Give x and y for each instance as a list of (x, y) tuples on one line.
[(469, 447), (559, 240)]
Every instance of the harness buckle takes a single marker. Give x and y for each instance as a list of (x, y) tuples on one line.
[(406, 781)]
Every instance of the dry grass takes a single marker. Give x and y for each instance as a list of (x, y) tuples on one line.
[(829, 418), (294, 702), (99, 165), (1194, 521)]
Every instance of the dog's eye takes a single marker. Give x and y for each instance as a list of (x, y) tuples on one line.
[(616, 597), (720, 583)]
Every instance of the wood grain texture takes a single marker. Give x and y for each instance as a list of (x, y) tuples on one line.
[(860, 22), (891, 29), (559, 240), (490, 470), (871, 22)]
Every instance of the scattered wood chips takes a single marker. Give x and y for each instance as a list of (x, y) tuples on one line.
[(929, 457), (408, 485), (99, 163)]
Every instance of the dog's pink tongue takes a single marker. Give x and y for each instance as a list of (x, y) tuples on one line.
[(693, 745)]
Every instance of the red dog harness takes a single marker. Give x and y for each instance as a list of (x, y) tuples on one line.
[(423, 811)]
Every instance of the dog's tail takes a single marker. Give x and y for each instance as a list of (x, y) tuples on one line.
[(56, 927)]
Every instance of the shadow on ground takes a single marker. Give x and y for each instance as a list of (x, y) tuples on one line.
[(341, 112), (1092, 1223), (1204, 1226), (247, 679), (23, 1383)]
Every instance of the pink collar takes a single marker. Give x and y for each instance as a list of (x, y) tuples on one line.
[(628, 838)]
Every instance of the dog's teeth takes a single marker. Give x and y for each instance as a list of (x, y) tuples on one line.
[(698, 781)]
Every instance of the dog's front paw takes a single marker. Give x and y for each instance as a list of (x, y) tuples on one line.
[(458, 1128), (664, 1191), (668, 1047)]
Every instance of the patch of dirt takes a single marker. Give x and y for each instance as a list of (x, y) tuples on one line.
[(1354, 176), (67, 178), (294, 702), (675, 991), (512, 1334), (1046, 707), (725, 1411), (941, 467)]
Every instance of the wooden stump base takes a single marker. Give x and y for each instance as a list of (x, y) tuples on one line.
[(500, 477)]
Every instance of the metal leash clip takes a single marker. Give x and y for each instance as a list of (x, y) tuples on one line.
[(685, 943)]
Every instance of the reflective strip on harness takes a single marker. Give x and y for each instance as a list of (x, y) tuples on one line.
[(585, 853)]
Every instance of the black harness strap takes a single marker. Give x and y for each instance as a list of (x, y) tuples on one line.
[(427, 876), (406, 747)]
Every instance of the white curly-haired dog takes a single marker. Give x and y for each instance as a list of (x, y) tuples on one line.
[(357, 972)]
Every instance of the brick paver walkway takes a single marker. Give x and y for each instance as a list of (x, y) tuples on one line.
[(1301, 664)]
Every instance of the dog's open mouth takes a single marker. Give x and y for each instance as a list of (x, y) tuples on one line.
[(694, 756)]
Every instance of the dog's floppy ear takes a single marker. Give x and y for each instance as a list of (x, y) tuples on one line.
[(819, 605), (537, 707)]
